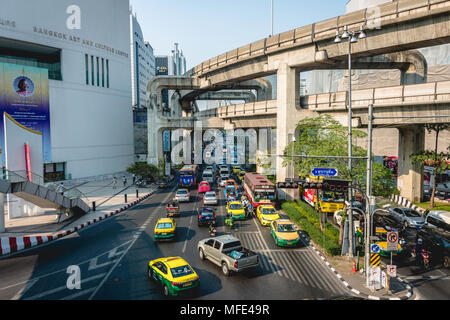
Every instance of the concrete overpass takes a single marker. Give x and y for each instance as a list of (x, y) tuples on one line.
[(404, 25)]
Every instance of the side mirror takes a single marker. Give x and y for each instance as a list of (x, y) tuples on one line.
[(426, 212)]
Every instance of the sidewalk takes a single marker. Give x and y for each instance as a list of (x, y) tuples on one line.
[(356, 281), (22, 233)]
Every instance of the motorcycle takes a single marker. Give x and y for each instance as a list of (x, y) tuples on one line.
[(424, 257), (229, 221), (212, 231)]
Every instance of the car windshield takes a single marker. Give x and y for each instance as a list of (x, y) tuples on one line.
[(207, 174), (269, 211), (207, 213), (333, 197), (181, 271), (235, 206), (182, 192), (286, 228), (186, 173), (164, 225), (210, 195), (411, 213), (204, 184)]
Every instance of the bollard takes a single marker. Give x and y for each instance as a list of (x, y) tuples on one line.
[(93, 206), (137, 193), (125, 198)]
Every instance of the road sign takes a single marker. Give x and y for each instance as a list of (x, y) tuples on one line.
[(392, 241), (392, 271), (375, 259), (374, 248), (324, 172)]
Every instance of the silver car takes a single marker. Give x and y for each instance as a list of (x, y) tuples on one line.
[(210, 198), (182, 195), (408, 217)]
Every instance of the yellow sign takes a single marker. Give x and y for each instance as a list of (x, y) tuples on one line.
[(375, 259)]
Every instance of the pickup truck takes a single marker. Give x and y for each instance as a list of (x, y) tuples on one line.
[(228, 253)]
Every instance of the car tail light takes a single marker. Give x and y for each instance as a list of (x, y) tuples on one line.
[(177, 283), (235, 264)]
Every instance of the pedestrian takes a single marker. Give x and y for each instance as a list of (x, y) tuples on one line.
[(114, 183), (60, 188), (124, 180)]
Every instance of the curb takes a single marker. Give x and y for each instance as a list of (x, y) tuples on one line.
[(406, 203), (10, 245), (362, 294)]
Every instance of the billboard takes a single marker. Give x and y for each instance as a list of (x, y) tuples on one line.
[(24, 96)]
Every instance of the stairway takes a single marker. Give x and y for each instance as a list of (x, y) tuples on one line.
[(41, 194)]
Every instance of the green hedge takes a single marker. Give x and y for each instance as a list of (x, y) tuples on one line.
[(330, 230), (309, 223)]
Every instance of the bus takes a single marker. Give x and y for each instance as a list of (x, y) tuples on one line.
[(259, 189), (324, 201), (189, 176)]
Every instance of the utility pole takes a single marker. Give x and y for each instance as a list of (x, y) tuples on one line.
[(350, 153), (371, 204), (271, 18)]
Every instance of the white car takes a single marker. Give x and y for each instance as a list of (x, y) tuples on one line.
[(182, 195), (210, 198)]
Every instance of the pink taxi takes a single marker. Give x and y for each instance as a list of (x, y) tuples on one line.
[(204, 186)]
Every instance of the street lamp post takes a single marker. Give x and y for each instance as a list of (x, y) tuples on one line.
[(352, 36)]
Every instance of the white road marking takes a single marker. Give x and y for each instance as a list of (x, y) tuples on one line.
[(24, 289), (125, 253), (62, 288)]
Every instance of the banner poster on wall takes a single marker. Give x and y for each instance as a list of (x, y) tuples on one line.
[(24, 95)]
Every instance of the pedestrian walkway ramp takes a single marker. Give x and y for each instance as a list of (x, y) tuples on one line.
[(33, 189)]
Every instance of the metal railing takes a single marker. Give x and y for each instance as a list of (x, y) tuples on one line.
[(388, 14), (23, 176)]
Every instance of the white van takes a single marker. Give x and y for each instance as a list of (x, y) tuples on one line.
[(208, 176), (438, 219)]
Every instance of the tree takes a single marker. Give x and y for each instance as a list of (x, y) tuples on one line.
[(143, 169), (324, 136), (439, 161)]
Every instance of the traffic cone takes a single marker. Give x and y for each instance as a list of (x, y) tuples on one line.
[(354, 267)]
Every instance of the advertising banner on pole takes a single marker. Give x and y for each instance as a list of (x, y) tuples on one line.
[(24, 96)]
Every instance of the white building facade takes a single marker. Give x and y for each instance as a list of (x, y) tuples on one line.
[(85, 45)]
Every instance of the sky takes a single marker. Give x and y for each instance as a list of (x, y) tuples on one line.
[(205, 29)]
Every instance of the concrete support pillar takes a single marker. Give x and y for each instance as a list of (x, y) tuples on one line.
[(2, 212), (410, 177), (288, 97), (154, 138)]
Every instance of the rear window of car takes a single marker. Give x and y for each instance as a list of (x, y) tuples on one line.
[(164, 225), (235, 206), (181, 271), (232, 244), (181, 192), (412, 213), (210, 195), (204, 184), (269, 211), (207, 213)]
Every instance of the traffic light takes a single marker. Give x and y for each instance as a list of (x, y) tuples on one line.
[(337, 185)]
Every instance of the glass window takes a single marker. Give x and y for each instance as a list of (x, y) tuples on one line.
[(232, 244), (59, 167), (92, 70), (98, 72), (181, 271), (269, 211), (103, 72), (165, 225), (107, 73), (235, 206), (217, 245), (286, 228), (209, 243), (86, 60)]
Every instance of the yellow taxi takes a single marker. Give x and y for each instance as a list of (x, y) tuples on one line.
[(165, 229), (236, 210), (241, 175), (266, 214), (236, 169), (174, 275), (284, 232)]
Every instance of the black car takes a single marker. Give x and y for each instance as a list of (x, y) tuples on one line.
[(385, 220), (206, 216), (437, 242)]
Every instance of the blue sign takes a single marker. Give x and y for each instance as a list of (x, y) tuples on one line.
[(166, 140), (324, 172), (374, 248)]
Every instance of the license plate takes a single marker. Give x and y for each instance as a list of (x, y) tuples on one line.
[(164, 233), (187, 284), (288, 243)]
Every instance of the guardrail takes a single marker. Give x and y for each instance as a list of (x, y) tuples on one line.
[(386, 14), (416, 94)]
